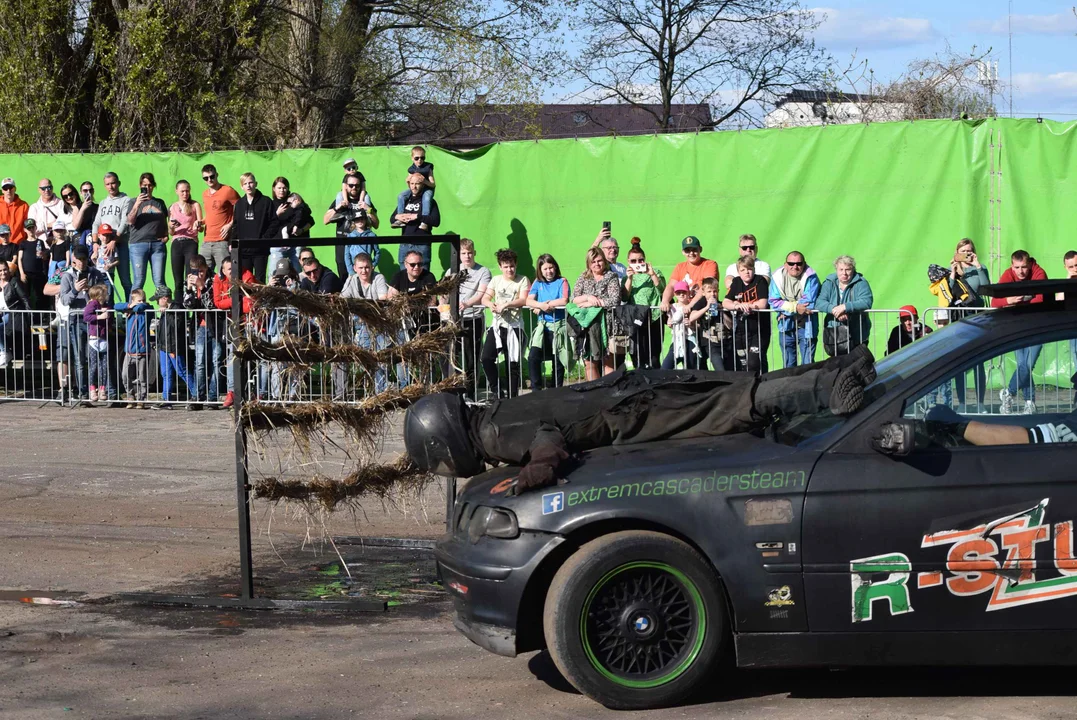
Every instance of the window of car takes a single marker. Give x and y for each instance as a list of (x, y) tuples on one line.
[(1024, 383)]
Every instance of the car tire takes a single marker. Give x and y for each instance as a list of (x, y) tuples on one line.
[(636, 620)]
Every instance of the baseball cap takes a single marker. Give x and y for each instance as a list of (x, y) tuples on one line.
[(350, 161), (105, 229), (283, 268), (59, 225), (7, 182), (906, 309), (680, 286), (163, 292), (5, 229), (691, 242)]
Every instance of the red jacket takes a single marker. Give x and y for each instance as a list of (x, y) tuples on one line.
[(1008, 277), (14, 214), (222, 291)]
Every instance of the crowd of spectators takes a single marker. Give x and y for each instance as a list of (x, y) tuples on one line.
[(89, 260)]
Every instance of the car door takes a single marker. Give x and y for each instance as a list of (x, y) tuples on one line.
[(953, 537)]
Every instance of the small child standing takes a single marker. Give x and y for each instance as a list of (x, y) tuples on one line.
[(171, 344), (136, 348), (103, 260), (709, 319), (98, 317), (683, 348), (360, 228)]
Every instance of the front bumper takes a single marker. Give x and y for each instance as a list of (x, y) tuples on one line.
[(487, 582)]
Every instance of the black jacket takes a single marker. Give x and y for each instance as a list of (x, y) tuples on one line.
[(15, 295), (253, 219)]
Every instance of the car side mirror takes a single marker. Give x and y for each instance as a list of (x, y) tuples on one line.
[(895, 438)]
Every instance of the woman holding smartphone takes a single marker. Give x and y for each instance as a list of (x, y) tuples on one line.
[(148, 220), (644, 285), (184, 220)]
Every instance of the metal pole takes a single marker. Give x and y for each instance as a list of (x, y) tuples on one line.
[(239, 375), (454, 312)]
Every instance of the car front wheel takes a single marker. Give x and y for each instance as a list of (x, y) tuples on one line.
[(635, 620)]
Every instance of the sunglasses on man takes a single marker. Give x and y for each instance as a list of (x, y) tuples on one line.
[(45, 188), (748, 247), (791, 263), (209, 178)]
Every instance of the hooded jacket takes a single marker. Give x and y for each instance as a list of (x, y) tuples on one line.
[(1037, 273), (856, 297), (14, 213), (807, 292)]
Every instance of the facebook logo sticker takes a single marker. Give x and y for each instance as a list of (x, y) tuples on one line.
[(553, 503)]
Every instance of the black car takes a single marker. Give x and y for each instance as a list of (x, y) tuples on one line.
[(801, 546)]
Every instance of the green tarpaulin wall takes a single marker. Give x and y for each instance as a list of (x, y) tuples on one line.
[(896, 196)]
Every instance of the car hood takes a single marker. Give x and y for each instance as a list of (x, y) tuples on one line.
[(669, 459)]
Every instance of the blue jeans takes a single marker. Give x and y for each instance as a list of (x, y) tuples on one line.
[(6, 320), (155, 253), (76, 352), (172, 366), (793, 339), (100, 374), (405, 247), (1022, 377), (202, 372), (364, 339), (275, 254)]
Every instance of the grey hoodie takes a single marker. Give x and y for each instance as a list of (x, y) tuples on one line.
[(114, 210)]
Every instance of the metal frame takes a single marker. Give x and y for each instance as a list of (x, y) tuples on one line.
[(239, 369)]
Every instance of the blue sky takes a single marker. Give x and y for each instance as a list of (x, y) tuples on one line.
[(889, 35)]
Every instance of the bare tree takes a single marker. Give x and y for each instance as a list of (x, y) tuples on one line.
[(732, 54), (948, 85)]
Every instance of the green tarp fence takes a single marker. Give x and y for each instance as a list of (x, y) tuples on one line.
[(896, 196)]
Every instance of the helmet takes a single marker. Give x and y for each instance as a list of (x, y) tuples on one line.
[(436, 436)]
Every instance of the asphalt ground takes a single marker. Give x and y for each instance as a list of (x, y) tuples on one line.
[(95, 503)]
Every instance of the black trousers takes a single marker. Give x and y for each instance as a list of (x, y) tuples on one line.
[(183, 251), (648, 345), (536, 356), (468, 345), (257, 265), (490, 352)]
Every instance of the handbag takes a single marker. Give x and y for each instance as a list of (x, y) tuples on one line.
[(836, 340)]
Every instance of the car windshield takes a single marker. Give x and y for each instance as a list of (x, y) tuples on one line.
[(892, 370)]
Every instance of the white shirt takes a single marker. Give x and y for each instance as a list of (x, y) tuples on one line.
[(761, 268)]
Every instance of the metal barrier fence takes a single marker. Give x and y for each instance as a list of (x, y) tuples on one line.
[(160, 358)]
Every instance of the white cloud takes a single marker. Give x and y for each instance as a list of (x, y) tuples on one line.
[(1057, 24), (1060, 85), (860, 29)]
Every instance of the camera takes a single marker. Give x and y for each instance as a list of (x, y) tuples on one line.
[(639, 267)]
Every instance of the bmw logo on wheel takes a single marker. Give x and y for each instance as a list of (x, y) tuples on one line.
[(643, 624)]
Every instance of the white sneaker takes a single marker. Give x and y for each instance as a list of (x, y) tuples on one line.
[(1030, 407), (4, 360), (1007, 401)]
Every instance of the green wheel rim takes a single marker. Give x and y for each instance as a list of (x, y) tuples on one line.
[(680, 618)]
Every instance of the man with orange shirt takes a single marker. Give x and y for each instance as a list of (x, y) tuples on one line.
[(218, 203), (692, 271), (13, 210)]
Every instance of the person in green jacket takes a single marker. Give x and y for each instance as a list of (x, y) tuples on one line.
[(844, 297)]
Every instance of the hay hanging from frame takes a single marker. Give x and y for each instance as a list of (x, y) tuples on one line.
[(375, 481), (362, 421), (336, 312), (418, 352)]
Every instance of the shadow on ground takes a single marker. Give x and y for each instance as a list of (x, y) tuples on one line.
[(406, 579)]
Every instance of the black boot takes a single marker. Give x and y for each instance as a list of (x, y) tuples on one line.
[(839, 389), (857, 355)]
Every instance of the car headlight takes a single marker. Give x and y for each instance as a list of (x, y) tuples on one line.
[(494, 522)]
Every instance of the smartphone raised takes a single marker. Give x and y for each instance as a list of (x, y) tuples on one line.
[(605, 224)]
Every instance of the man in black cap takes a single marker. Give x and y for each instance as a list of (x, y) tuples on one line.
[(541, 431)]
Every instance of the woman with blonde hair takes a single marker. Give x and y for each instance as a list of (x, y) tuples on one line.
[(598, 287)]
